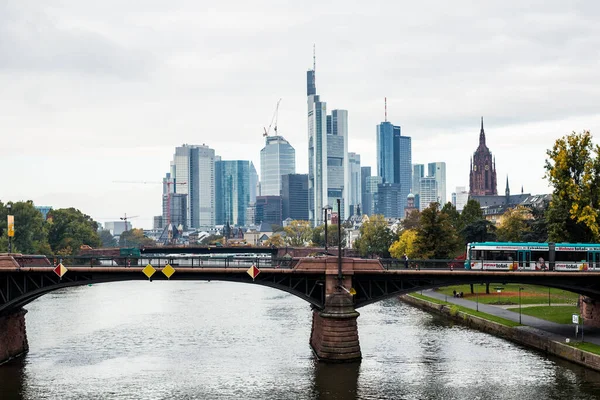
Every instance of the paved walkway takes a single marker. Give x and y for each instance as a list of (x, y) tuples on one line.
[(558, 332)]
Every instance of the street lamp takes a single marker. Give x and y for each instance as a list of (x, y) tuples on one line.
[(520, 288), (339, 223), (326, 212), (11, 227)]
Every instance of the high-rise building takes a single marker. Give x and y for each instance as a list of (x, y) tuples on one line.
[(482, 178), (460, 198), (328, 175), (355, 187), (418, 173), (388, 202), (294, 195), (177, 209), (193, 173), (394, 157), (267, 209), (233, 186), (438, 171), (365, 172), (277, 158), (428, 192), (370, 200)]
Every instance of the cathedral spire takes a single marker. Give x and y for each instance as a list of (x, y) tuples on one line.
[(507, 191), (482, 134)]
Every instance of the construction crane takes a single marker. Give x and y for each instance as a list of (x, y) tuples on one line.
[(168, 183), (125, 218), (274, 119)]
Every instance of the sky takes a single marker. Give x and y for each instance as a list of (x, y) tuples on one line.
[(97, 92)]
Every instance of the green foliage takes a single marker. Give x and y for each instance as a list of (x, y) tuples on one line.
[(404, 245), (479, 231), (108, 240), (375, 238), (513, 225), (69, 229), (412, 220), (275, 240), (30, 229), (298, 233), (471, 212), (135, 238), (538, 227), (573, 169), (318, 236), (436, 238), (454, 216)]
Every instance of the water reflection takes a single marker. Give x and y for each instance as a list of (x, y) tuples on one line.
[(335, 381)]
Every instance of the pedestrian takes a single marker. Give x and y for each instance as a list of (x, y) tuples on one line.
[(405, 258)]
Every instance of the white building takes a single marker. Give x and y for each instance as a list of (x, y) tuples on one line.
[(438, 171), (117, 227), (355, 191), (428, 192), (460, 198)]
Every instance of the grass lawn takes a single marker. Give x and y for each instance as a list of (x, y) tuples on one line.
[(530, 294), (585, 346), (558, 314), (488, 317)]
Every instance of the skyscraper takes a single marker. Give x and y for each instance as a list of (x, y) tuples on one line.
[(193, 172), (277, 158), (355, 186), (482, 177), (388, 200), (394, 157), (233, 181), (438, 171), (370, 200), (460, 198), (418, 173), (294, 194), (428, 192), (365, 172)]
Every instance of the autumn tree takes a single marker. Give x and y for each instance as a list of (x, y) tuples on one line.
[(375, 238), (318, 236), (69, 229), (405, 244), (412, 220), (274, 241), (436, 237), (573, 169), (135, 238), (513, 225), (298, 233), (108, 240)]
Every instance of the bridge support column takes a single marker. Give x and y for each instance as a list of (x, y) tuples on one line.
[(13, 336), (334, 336), (590, 311)]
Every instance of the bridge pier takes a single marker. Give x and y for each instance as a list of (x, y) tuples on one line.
[(334, 335), (13, 336), (590, 311)]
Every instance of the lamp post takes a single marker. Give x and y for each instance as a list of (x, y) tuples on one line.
[(520, 288), (339, 224), (325, 213), (11, 227)]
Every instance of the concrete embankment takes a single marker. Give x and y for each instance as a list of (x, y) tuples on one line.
[(524, 335)]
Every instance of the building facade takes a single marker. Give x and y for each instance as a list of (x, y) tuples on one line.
[(460, 198), (175, 204), (365, 172), (388, 202), (370, 200), (233, 186), (482, 177), (268, 210), (277, 158), (438, 171), (355, 185), (294, 196), (428, 192)]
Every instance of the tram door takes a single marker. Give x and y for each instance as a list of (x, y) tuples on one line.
[(524, 258), (594, 259)]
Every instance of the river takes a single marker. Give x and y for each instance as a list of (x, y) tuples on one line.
[(217, 340)]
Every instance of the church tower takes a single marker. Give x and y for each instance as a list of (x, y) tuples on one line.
[(482, 178)]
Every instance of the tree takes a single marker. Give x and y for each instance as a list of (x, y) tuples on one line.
[(538, 228), (454, 216), (573, 169), (436, 238), (318, 236), (479, 231), (298, 233), (375, 238), (135, 238), (69, 229), (513, 225), (211, 239), (412, 220), (30, 228), (108, 240), (405, 244), (275, 241), (471, 212)]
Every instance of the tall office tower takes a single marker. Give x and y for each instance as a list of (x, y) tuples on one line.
[(418, 173), (277, 158), (438, 171), (268, 210), (482, 178), (175, 204), (193, 173), (294, 196), (388, 200), (370, 200), (233, 191), (254, 183), (364, 173), (394, 157), (460, 198), (355, 186), (428, 192), (338, 173)]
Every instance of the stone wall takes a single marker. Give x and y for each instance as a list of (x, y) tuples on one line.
[(13, 336), (590, 311), (524, 335)]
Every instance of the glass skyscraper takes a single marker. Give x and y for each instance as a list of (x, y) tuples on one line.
[(394, 158), (277, 158), (233, 180), (355, 191), (438, 171)]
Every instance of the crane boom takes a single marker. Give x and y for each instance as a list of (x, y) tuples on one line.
[(273, 119)]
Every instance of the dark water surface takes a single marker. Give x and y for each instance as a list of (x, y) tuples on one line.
[(216, 340)]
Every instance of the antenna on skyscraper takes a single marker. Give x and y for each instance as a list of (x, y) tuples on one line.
[(314, 58), (385, 102)]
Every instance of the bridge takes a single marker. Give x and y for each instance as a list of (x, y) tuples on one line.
[(334, 286)]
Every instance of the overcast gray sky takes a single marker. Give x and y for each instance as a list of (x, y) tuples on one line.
[(92, 92)]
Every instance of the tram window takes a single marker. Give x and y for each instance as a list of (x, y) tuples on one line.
[(570, 256)]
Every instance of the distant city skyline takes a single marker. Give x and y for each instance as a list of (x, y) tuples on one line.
[(92, 94)]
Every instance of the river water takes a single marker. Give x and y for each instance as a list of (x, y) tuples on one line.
[(217, 340)]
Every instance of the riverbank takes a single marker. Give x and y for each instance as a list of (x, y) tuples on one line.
[(545, 341)]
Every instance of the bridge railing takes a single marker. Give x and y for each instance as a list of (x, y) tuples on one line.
[(195, 261), (420, 264)]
